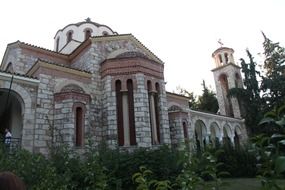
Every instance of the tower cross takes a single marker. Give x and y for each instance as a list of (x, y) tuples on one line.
[(220, 42), (88, 19)]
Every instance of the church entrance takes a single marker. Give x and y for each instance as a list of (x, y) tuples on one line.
[(11, 113)]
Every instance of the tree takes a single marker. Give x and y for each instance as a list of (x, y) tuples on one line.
[(207, 101), (249, 95), (267, 94), (190, 95), (273, 83)]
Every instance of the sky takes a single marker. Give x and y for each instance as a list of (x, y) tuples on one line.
[(182, 33)]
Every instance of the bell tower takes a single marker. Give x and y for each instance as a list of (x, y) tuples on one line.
[(227, 75)]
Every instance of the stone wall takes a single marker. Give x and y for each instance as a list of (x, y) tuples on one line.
[(44, 113), (230, 71)]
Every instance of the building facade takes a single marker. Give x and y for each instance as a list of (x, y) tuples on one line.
[(100, 85)]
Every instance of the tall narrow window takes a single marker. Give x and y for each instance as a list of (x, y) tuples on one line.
[(132, 128), (69, 36), (185, 130), (87, 34), (57, 44), (79, 123), (225, 90), (220, 58), (236, 140), (227, 58), (156, 102), (120, 120)]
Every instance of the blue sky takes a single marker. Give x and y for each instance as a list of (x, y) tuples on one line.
[(182, 33)]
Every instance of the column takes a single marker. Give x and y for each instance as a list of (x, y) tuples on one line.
[(153, 119), (126, 120)]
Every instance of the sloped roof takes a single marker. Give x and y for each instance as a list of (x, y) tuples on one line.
[(41, 62)]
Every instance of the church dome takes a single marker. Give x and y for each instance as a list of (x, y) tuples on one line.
[(74, 34)]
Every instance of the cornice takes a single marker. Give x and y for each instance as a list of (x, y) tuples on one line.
[(227, 65), (44, 64)]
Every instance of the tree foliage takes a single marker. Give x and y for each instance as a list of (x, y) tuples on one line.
[(258, 97), (206, 102), (273, 83), (190, 95), (250, 94)]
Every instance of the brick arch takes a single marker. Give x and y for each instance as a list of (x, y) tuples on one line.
[(124, 79), (116, 53), (153, 83), (58, 87)]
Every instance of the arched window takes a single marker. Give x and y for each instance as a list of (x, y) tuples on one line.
[(237, 141), (237, 78), (156, 102), (105, 33), (220, 58), (149, 87), (225, 90), (226, 138), (125, 114), (132, 128), (120, 120), (227, 58), (69, 36), (79, 126), (87, 34), (185, 130), (57, 44)]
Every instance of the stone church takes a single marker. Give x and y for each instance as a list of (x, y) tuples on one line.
[(100, 85)]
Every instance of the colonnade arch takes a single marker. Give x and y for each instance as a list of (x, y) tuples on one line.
[(11, 112), (216, 130), (227, 135), (200, 134), (215, 134), (23, 112)]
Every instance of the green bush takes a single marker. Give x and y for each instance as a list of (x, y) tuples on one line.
[(103, 168), (165, 164), (238, 162)]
